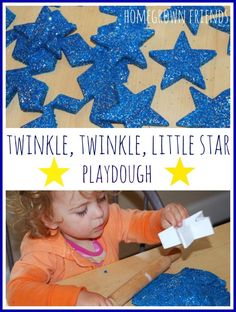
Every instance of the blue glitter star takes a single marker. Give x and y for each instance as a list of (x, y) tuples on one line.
[(124, 42), (46, 120), (134, 110), (68, 104), (39, 44), (77, 51), (127, 14), (209, 113), (10, 36), (31, 92), (39, 61), (190, 14), (10, 16), (104, 74), (182, 63), (189, 287), (49, 26), (222, 24)]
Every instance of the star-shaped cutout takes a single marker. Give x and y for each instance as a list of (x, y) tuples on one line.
[(54, 173), (190, 14), (49, 28), (209, 113), (31, 92), (10, 16), (134, 110), (182, 62), (222, 24), (179, 173), (11, 36), (39, 44), (124, 42), (105, 74), (48, 118)]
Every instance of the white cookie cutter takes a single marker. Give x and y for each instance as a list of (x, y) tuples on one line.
[(193, 227)]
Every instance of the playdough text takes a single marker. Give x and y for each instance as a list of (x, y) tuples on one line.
[(128, 145)]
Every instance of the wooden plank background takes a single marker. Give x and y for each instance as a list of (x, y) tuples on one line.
[(172, 103)]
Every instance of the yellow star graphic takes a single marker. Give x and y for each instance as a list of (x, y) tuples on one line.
[(179, 173), (54, 173)]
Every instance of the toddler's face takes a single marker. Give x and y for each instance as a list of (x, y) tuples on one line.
[(78, 217)]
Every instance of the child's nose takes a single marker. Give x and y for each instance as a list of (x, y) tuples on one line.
[(98, 211)]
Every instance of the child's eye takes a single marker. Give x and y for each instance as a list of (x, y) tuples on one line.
[(82, 213)]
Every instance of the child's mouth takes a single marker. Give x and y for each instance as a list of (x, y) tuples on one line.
[(99, 228)]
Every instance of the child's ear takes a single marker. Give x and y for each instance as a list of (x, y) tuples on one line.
[(50, 224)]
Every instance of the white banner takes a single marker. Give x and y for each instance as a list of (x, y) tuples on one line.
[(118, 159)]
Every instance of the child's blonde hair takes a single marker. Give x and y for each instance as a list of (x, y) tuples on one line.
[(34, 207)]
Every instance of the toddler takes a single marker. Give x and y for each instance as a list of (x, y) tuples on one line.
[(71, 232)]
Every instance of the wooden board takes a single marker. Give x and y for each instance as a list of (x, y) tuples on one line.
[(211, 254), (172, 103)]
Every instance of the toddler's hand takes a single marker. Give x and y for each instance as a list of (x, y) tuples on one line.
[(173, 215), (88, 298)]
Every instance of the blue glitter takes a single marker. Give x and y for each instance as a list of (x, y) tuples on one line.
[(190, 14), (124, 42), (209, 113), (41, 62), (10, 16), (222, 24), (77, 51), (48, 26), (134, 110), (68, 104), (21, 50), (31, 92), (13, 79), (10, 36), (124, 13), (104, 74), (46, 120), (182, 63), (190, 287), (39, 44)]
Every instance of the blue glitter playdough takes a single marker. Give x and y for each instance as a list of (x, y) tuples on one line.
[(31, 92), (190, 14), (10, 36), (46, 120), (134, 110), (209, 113), (222, 24), (68, 104), (39, 44), (190, 287), (105, 74), (182, 62), (77, 51), (124, 42), (10, 16)]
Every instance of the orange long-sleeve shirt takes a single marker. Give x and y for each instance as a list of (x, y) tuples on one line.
[(44, 261)]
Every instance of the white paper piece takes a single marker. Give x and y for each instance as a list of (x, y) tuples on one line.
[(193, 227)]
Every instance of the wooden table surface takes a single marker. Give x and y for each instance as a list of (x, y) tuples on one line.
[(172, 103), (210, 253)]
